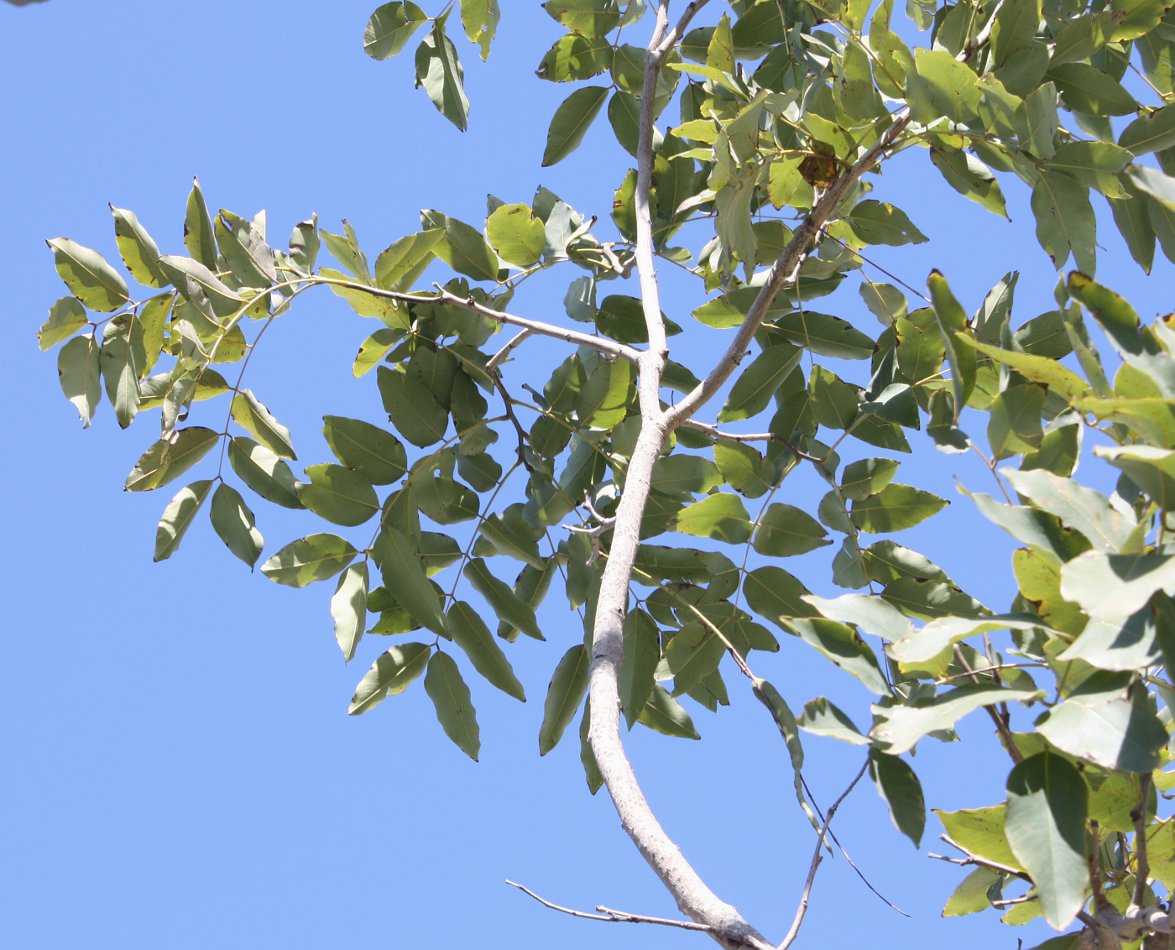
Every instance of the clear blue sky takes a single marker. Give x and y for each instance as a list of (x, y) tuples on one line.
[(180, 771)]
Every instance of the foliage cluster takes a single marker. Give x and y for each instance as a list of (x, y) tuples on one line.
[(782, 110)]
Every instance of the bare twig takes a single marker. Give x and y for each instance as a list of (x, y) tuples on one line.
[(1001, 724), (608, 915), (814, 866), (973, 860), (500, 357)]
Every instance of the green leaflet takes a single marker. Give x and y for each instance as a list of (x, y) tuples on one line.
[(1046, 830), (170, 457), (453, 703), (312, 558), (565, 693), (252, 416), (902, 792), (390, 27), (471, 634), (439, 71), (571, 122), (348, 608), (88, 276), (234, 524), (406, 580), (392, 673), (178, 517), (338, 494)]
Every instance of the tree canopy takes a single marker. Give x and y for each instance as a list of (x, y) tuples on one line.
[(644, 479)]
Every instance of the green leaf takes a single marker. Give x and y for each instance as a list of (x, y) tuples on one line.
[(770, 697), (722, 517), (902, 793), (348, 608), (920, 646), (510, 609), (412, 408), (1150, 133), (121, 358), (685, 473), (199, 238), (439, 71), (195, 282), (574, 57), (178, 517), (78, 371), (66, 317), (1114, 586), (776, 595), (1039, 369), (589, 18), (952, 320), (390, 28), (666, 715), (263, 472), (878, 222), (642, 651), (87, 275), (867, 477), (454, 706), (1014, 425), (980, 831), (1086, 88), (1064, 219), (338, 494), (970, 897), (137, 248), (744, 468), (1078, 507), (844, 647), (367, 448), (825, 335), (516, 234), (897, 729), (235, 525), (390, 674), (312, 558), (568, 685), (693, 654), (400, 265), (463, 247), (1116, 731), (970, 177), (784, 530), (894, 508), (942, 87), (1046, 830), (868, 613), (405, 579), (823, 718), (753, 389), (591, 767), (571, 121), (471, 634), (480, 20), (170, 457), (251, 415)]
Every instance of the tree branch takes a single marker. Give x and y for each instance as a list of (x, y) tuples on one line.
[(785, 271), (1142, 867), (721, 920), (609, 915), (817, 857), (598, 343)]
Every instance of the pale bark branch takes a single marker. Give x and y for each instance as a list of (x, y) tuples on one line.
[(718, 918), (600, 344)]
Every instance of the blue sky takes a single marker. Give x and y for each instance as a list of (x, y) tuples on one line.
[(180, 769)]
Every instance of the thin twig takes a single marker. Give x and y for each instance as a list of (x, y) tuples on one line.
[(972, 860), (1001, 724), (610, 916), (817, 857), (500, 357), (599, 343)]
